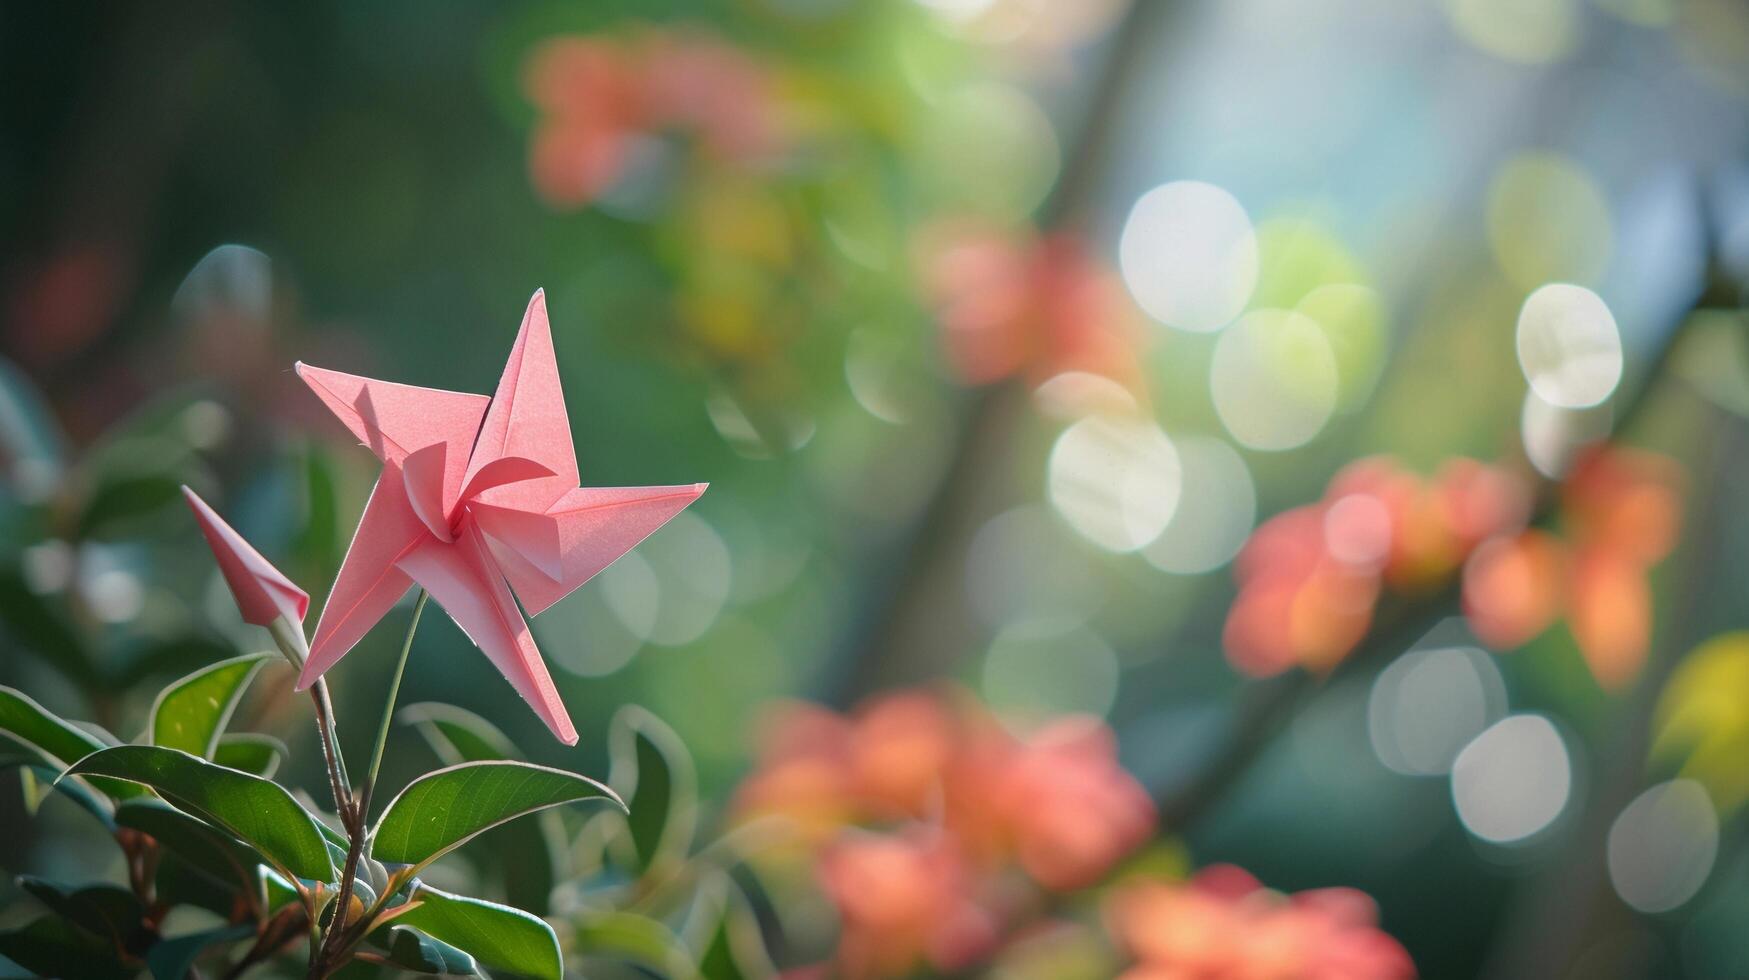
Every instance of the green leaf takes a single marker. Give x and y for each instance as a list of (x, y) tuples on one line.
[(276, 892), (456, 734), (653, 772), (724, 931), (53, 948), (442, 810), (40, 628), (212, 851), (521, 855), (630, 938), (109, 912), (422, 954), (171, 959), (258, 812), (32, 789), (76, 790), (497, 935), (191, 713), (54, 742), (253, 753)]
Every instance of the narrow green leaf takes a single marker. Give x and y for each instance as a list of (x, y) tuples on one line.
[(54, 742), (522, 855), (276, 892), (109, 912), (725, 933), (457, 735), (212, 851), (258, 812), (171, 959), (54, 948), (442, 810), (422, 954), (32, 789), (252, 752), (630, 938), (497, 935), (191, 713), (653, 772)]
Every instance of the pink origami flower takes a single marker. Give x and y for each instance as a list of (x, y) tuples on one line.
[(476, 491), (263, 593)]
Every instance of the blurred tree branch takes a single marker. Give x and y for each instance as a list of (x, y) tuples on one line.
[(889, 644)]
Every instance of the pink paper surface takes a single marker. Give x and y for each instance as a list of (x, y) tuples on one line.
[(475, 493), (263, 593)]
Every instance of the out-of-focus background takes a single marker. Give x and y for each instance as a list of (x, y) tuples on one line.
[(1000, 329)]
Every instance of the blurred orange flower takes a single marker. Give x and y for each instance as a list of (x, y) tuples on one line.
[(1224, 925), (958, 802), (598, 96), (1621, 510), (904, 899), (1010, 304), (1310, 577)]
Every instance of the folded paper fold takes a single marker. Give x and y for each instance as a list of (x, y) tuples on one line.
[(478, 497)]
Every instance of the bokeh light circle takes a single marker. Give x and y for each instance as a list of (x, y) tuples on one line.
[(1513, 780), (1569, 346), (1188, 254), (1217, 507), (1115, 479), (1428, 704), (1273, 379), (1042, 669), (1552, 436), (1662, 846), (1548, 221)]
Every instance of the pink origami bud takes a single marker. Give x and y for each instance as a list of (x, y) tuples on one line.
[(263, 593)]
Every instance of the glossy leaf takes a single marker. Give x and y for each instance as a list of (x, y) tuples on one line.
[(456, 734), (191, 713), (206, 848), (630, 938), (109, 912), (252, 809), (653, 772), (171, 959), (252, 752), (276, 892), (53, 742), (497, 935), (444, 809), (418, 953), (53, 948), (521, 855)]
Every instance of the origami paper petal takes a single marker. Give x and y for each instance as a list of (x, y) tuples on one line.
[(422, 478), (527, 418), (369, 584), (263, 593), (463, 579), (594, 527), (394, 420)]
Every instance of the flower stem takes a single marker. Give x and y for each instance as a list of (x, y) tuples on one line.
[(376, 755), (332, 944)]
